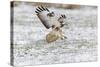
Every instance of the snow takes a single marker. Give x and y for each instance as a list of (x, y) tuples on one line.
[(31, 48)]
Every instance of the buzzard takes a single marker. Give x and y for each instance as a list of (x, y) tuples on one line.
[(49, 20)]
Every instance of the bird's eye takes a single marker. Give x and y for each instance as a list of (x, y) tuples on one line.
[(64, 16)]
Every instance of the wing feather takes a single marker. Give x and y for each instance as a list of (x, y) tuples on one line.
[(42, 13)]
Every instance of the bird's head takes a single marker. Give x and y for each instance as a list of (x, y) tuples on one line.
[(62, 19)]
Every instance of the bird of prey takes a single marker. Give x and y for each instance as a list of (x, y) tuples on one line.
[(49, 20)]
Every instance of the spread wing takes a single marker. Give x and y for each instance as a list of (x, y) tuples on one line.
[(44, 15), (47, 17)]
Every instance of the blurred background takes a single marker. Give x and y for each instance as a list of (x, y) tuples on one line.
[(30, 46)]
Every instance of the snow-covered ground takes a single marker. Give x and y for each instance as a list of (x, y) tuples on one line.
[(31, 48)]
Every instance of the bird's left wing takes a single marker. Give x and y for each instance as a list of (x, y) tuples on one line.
[(44, 15)]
